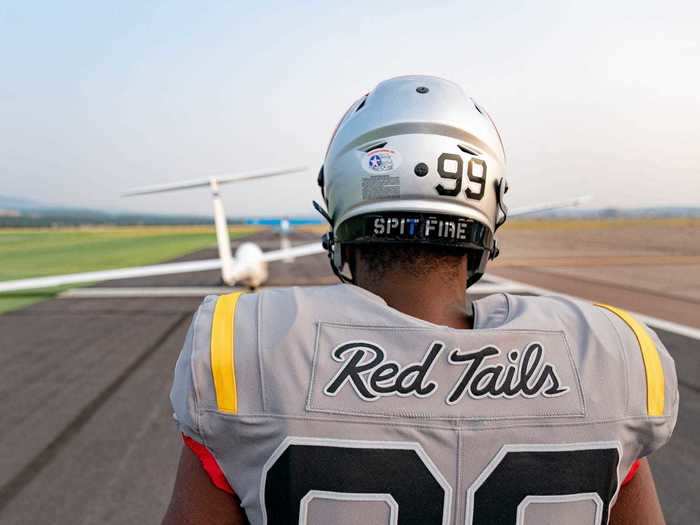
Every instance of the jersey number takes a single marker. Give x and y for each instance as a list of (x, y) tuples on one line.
[(476, 173), (403, 474)]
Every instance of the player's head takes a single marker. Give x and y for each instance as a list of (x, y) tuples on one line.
[(415, 162)]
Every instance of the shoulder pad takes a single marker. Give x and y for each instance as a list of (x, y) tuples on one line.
[(205, 373), (651, 374)]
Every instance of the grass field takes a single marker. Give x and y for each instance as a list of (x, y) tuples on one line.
[(39, 252)]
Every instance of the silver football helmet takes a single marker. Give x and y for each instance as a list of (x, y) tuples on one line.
[(415, 161)]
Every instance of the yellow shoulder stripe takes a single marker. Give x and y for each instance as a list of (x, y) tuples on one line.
[(652, 361), (222, 349)]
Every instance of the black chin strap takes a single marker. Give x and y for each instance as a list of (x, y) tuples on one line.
[(329, 244), (501, 213), (502, 210), (323, 213)]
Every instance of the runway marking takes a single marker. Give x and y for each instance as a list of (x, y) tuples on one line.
[(662, 324), (596, 261), (603, 282), (130, 292)]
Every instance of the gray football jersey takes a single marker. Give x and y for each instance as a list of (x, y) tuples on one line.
[(323, 405)]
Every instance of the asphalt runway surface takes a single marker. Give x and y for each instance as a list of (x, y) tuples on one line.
[(85, 422)]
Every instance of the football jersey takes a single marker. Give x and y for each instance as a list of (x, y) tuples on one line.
[(323, 405)]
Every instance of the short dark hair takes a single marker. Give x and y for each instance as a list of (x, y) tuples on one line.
[(414, 259)]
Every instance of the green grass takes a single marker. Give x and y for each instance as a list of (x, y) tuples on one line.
[(40, 252)]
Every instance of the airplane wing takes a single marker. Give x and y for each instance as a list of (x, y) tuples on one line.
[(295, 251), (525, 210), (108, 275), (148, 271), (220, 179)]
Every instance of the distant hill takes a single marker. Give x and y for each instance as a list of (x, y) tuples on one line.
[(18, 204), (20, 212)]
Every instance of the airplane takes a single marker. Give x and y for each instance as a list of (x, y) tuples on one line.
[(249, 264)]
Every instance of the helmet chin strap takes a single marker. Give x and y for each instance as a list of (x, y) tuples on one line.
[(323, 213), (501, 216), (329, 244), (501, 213), (328, 239)]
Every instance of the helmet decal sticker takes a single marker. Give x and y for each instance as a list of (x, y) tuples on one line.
[(381, 160), (381, 187)]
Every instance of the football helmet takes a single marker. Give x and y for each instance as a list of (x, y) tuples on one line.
[(415, 161)]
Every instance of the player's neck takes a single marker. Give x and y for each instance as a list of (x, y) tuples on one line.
[(438, 297)]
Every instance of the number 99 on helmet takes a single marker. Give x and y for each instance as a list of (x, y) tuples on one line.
[(415, 161)]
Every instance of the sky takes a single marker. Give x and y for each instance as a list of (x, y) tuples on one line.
[(596, 98)]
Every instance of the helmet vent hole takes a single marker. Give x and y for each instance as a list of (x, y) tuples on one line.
[(468, 150), (361, 104), (375, 146)]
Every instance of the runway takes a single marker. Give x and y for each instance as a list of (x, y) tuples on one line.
[(85, 421)]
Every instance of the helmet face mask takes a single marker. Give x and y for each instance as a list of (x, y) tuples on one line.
[(415, 161)]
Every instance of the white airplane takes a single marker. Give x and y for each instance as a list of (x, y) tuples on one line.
[(247, 267)]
